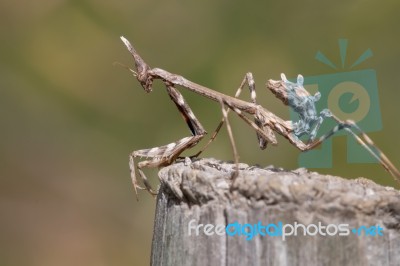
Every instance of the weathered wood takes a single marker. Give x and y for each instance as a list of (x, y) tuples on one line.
[(203, 191)]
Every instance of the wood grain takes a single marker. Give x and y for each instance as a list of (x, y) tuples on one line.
[(203, 191)]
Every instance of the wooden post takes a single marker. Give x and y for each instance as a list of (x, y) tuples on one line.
[(202, 192)]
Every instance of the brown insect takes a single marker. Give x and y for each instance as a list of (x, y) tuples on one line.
[(264, 122)]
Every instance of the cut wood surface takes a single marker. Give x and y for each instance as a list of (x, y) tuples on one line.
[(203, 192)]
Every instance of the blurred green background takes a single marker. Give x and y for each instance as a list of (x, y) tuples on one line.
[(69, 118)]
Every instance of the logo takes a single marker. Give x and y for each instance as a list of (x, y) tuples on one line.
[(350, 95), (281, 230)]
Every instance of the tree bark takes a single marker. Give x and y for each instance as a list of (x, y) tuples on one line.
[(203, 192)]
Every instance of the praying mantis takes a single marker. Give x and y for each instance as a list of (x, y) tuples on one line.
[(264, 122)]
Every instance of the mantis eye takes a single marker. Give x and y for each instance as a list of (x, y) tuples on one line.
[(283, 77), (300, 80)]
